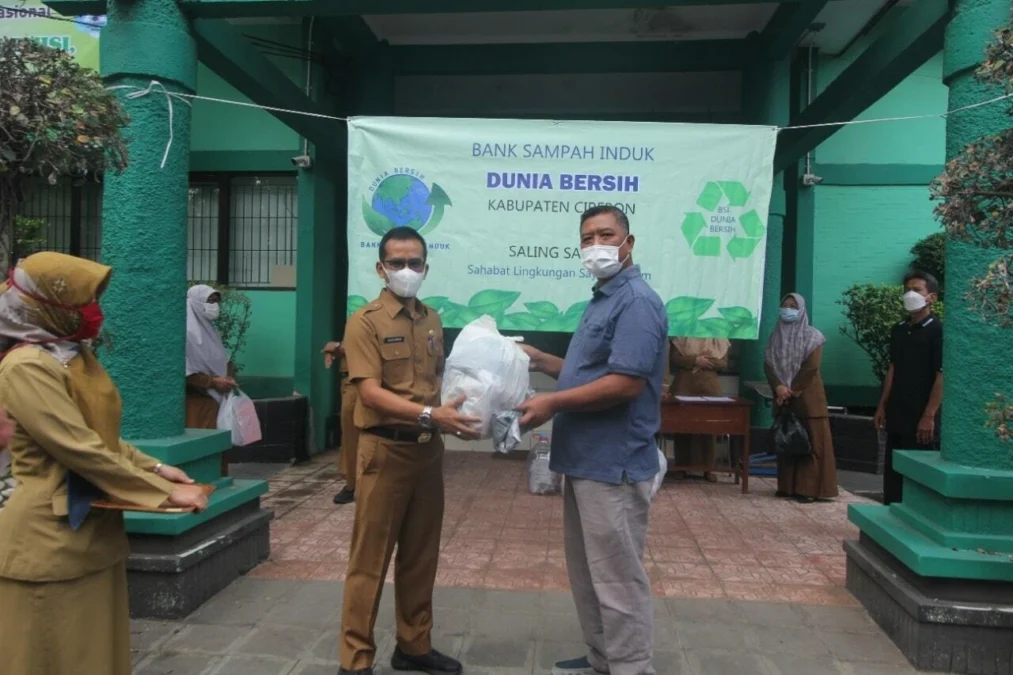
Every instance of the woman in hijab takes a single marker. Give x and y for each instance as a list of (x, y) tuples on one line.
[(792, 365), (63, 579), (209, 374), (696, 362)]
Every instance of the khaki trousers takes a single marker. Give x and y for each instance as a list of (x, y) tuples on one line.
[(398, 501), (348, 456)]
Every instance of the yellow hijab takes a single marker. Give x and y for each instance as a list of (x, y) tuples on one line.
[(28, 319)]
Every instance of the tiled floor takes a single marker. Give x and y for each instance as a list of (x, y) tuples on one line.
[(705, 540)]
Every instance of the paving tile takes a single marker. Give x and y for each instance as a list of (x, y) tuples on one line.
[(170, 663), (862, 648), (148, 636), (725, 662), (206, 639), (794, 640), (770, 614), (280, 641), (246, 665), (786, 664), (500, 654), (840, 619)]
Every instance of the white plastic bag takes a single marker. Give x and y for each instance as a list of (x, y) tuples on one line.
[(660, 477), (238, 415), (489, 369)]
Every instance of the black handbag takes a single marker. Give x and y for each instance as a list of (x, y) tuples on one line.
[(790, 436)]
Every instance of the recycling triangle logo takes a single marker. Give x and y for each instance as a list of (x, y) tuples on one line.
[(723, 212)]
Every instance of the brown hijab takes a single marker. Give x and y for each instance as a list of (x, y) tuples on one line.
[(39, 316)]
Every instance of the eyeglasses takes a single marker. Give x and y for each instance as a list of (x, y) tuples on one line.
[(397, 264)]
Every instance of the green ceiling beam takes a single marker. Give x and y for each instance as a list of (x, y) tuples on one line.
[(237, 8), (355, 40), (77, 7), (223, 49), (915, 37), (571, 58), (787, 26)]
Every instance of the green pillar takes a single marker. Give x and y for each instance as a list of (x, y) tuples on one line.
[(319, 283), (767, 100), (144, 234), (976, 356), (956, 519), (144, 215)]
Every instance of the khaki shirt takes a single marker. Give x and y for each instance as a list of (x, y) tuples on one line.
[(50, 438), (399, 346)]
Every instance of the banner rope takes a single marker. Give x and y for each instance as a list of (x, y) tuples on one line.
[(136, 92)]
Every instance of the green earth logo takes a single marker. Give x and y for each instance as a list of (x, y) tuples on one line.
[(724, 212), (403, 200)]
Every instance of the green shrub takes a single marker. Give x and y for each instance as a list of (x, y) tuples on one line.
[(930, 256)]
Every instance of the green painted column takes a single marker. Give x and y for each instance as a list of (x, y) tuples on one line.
[(956, 517), (767, 91), (144, 215), (976, 356), (319, 284)]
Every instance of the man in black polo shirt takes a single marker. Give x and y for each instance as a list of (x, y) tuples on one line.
[(913, 390)]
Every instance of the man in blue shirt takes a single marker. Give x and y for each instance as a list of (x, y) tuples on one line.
[(606, 412)]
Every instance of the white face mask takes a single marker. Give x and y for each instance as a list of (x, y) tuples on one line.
[(603, 261), (913, 301), (212, 311), (404, 283)]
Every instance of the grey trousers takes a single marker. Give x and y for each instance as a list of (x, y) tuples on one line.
[(605, 527)]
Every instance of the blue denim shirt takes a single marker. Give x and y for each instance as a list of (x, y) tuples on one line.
[(624, 331)]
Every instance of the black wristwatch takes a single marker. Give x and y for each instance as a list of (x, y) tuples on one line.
[(426, 417)]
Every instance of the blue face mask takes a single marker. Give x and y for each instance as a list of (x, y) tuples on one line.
[(790, 315)]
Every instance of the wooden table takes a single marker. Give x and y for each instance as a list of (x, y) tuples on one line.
[(711, 418)]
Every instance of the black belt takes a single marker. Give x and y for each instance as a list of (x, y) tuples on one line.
[(401, 435)]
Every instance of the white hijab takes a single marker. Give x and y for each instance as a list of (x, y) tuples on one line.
[(205, 353), (792, 343)]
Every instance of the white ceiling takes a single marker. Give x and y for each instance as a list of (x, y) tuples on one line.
[(843, 19)]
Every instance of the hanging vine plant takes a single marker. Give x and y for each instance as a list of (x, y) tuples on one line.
[(975, 195)]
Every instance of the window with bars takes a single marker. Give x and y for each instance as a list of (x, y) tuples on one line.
[(256, 246)]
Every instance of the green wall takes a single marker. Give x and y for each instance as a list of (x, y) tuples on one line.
[(873, 205), (234, 138), (862, 235), (220, 126), (270, 349)]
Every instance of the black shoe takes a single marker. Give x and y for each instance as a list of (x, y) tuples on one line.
[(433, 663), (361, 671), (782, 495), (346, 496), (805, 500)]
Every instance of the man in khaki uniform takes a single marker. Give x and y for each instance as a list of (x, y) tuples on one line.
[(394, 349), (347, 463)]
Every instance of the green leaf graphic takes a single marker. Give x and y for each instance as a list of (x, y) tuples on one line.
[(737, 315), (686, 309), (378, 223), (492, 301), (355, 303), (716, 327), (562, 323), (745, 331), (577, 310), (520, 321), (437, 302), (542, 309)]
